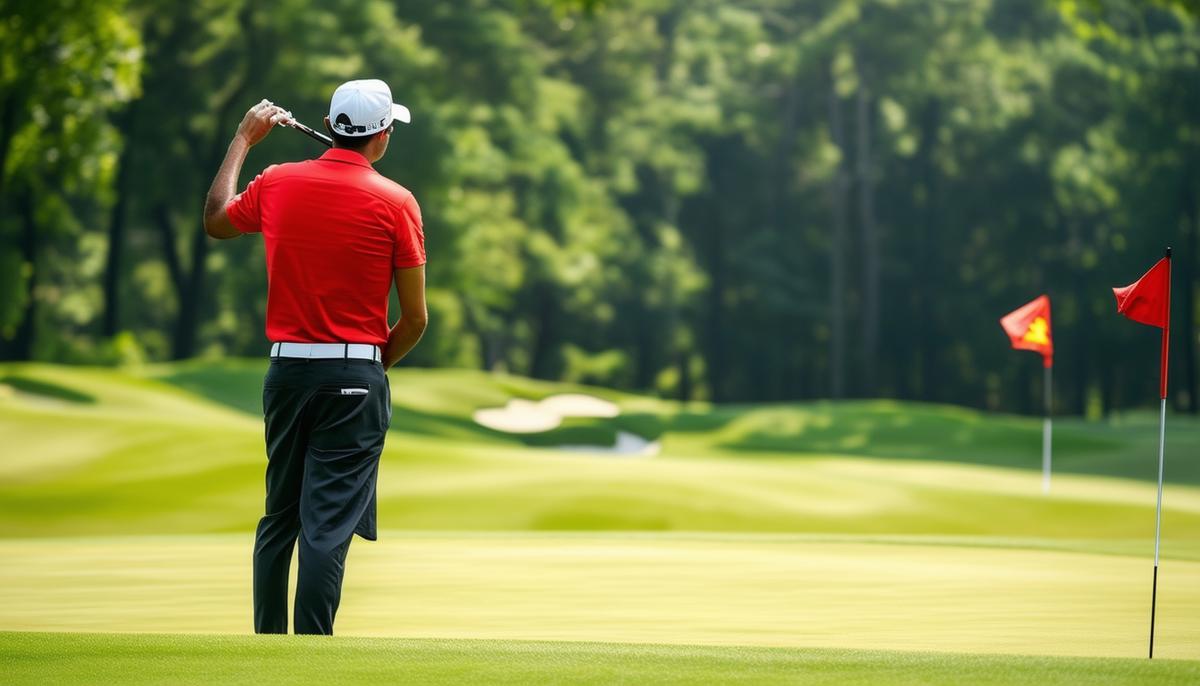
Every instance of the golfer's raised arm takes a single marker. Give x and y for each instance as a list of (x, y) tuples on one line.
[(410, 286), (255, 126)]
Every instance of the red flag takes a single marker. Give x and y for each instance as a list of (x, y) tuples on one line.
[(1148, 301), (1028, 327)]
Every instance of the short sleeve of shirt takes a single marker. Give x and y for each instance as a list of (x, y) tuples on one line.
[(409, 250), (243, 210)]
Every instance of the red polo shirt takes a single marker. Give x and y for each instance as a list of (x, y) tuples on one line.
[(334, 229)]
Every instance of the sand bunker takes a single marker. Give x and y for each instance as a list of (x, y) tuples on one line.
[(528, 417), (518, 417), (579, 405)]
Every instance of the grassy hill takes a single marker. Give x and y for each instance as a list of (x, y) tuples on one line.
[(178, 449), (439, 403)]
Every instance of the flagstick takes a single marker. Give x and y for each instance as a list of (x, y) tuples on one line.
[(1162, 433), (1046, 434), (1162, 427)]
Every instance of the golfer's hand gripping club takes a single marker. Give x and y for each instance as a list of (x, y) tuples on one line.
[(266, 115), (259, 121), (291, 122)]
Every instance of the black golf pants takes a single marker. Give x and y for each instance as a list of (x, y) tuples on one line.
[(326, 421)]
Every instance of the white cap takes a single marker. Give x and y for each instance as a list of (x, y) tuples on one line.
[(364, 108)]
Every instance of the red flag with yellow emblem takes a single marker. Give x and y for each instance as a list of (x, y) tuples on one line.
[(1028, 327)]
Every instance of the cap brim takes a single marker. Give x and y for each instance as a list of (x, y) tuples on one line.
[(400, 113)]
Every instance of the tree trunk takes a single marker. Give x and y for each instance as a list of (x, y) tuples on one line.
[(191, 298), (870, 246), (166, 230), (837, 257), (788, 347), (1187, 301), (8, 129), (645, 346), (22, 343), (927, 262), (116, 229), (127, 125), (541, 359), (685, 376), (715, 219)]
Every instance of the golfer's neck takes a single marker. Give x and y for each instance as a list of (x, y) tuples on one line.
[(368, 152)]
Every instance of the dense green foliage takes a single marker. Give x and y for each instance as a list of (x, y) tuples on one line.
[(764, 200)]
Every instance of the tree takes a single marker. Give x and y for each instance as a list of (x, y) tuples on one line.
[(63, 65)]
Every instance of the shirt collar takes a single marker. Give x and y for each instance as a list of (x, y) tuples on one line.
[(347, 156)]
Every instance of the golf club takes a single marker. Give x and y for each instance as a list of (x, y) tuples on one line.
[(311, 133)]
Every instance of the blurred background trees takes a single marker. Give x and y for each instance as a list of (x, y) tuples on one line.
[(760, 200)]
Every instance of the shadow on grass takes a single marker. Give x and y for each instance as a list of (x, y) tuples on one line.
[(46, 389)]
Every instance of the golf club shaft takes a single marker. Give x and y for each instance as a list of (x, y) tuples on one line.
[(315, 135)]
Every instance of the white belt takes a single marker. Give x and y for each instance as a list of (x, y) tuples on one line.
[(324, 351)]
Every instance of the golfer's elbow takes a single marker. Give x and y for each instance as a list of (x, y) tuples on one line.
[(216, 221), (210, 225), (418, 321)]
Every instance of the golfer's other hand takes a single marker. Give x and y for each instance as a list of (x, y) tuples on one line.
[(259, 121)]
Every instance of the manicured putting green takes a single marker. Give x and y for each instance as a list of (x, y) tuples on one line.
[(790, 591), (299, 660)]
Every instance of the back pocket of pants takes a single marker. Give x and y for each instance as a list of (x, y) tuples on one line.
[(350, 389)]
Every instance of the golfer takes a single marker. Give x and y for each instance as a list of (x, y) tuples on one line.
[(337, 235)]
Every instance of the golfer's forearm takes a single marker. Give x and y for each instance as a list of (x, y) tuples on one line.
[(224, 186), (403, 338)]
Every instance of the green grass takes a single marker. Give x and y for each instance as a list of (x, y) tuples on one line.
[(852, 592), (439, 402), (178, 449), (35, 388), (153, 454), (127, 499), (134, 659)]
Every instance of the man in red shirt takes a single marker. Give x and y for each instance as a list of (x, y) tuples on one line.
[(337, 236)]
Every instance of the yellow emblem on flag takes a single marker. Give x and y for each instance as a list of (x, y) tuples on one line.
[(1037, 332)]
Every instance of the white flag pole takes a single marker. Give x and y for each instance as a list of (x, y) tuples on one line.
[(1046, 436)]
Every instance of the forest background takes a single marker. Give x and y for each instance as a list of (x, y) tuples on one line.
[(763, 200)]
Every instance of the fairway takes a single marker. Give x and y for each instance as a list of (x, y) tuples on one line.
[(761, 541), (178, 450)]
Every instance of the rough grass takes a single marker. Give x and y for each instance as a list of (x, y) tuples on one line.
[(299, 660)]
